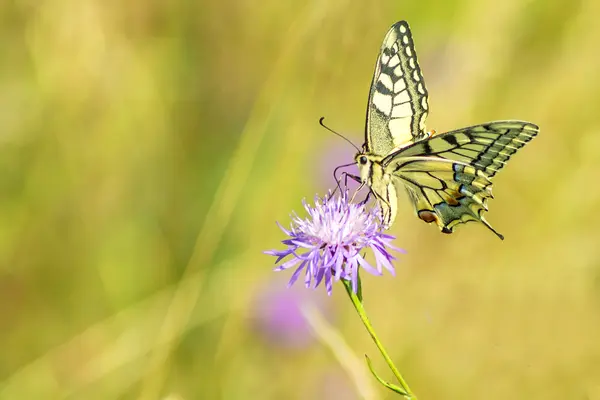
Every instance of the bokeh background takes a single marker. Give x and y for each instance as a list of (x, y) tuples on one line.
[(147, 149)]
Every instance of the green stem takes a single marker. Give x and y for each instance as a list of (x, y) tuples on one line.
[(365, 320)]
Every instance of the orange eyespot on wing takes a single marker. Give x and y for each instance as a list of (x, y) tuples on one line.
[(427, 216)]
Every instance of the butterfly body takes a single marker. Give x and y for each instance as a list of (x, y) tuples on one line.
[(374, 174), (447, 175)]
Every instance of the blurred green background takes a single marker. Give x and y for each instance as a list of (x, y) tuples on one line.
[(147, 149)]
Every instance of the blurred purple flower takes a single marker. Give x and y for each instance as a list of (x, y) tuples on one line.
[(278, 318), (327, 244)]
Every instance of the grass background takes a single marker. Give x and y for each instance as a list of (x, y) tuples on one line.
[(148, 147)]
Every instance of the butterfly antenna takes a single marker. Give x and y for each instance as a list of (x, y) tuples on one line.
[(338, 134)]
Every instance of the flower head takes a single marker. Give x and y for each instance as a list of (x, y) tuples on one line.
[(327, 244)]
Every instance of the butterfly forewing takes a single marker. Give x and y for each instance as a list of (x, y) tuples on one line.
[(487, 147), (398, 102)]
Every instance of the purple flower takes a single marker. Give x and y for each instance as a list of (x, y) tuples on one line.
[(277, 317), (327, 244)]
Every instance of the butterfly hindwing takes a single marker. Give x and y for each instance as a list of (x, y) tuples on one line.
[(398, 102), (448, 176), (448, 193)]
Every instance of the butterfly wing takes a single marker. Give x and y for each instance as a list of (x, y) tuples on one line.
[(398, 102), (448, 176), (486, 147)]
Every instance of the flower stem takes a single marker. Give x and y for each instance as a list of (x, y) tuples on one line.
[(356, 301)]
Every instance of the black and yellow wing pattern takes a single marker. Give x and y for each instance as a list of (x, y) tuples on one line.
[(398, 101), (448, 176)]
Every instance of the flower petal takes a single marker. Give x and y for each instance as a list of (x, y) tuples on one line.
[(328, 282), (279, 254), (382, 258), (289, 233), (296, 274), (288, 264), (366, 266)]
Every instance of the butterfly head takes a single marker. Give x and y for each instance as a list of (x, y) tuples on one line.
[(364, 164), (367, 165)]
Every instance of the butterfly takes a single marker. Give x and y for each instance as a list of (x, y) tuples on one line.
[(448, 176)]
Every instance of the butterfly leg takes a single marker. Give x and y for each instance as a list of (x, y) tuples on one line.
[(351, 176), (357, 179), (345, 178), (357, 190), (337, 182), (367, 197), (345, 174)]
